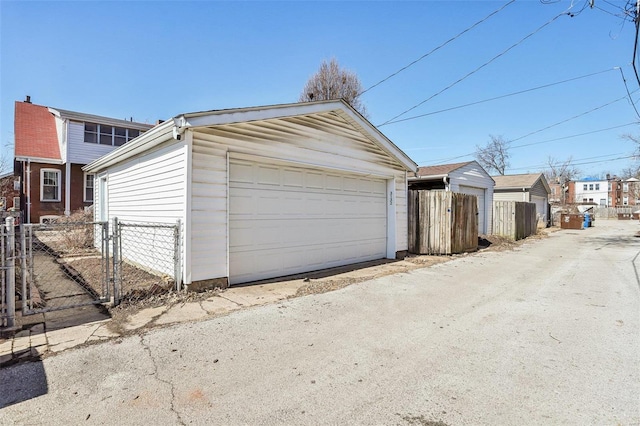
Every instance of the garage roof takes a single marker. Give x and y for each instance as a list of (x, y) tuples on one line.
[(175, 127)]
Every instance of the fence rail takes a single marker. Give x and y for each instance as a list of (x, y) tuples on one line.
[(68, 264)]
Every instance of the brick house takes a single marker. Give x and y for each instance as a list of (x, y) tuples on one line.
[(51, 146)]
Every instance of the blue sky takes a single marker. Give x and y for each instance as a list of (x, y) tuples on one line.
[(154, 60)]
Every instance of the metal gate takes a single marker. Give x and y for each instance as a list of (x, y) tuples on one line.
[(64, 264)]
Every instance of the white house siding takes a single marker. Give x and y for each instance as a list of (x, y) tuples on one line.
[(511, 196), (322, 141), (149, 188), (472, 175), (81, 152)]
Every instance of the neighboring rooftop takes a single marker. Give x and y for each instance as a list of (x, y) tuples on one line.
[(35, 132), (440, 169), (526, 180)]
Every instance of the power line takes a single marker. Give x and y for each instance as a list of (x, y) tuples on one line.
[(476, 69), (624, 80), (501, 96), (571, 118), (438, 47), (576, 164), (541, 142)]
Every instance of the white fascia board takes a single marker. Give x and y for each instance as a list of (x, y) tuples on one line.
[(144, 142), (242, 115), (428, 177), (79, 116), (40, 160), (381, 140)]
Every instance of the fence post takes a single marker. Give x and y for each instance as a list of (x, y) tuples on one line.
[(176, 255), (11, 272), (26, 296), (116, 262)]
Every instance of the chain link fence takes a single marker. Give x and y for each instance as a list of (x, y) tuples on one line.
[(64, 264), (68, 263), (147, 259)]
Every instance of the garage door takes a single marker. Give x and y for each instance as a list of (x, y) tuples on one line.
[(478, 192), (286, 219), (541, 208)]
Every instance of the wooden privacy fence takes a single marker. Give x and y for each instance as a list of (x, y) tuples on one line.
[(442, 222), (514, 219)]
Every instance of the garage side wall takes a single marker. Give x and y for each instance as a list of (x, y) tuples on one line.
[(306, 147), (149, 188), (474, 176)]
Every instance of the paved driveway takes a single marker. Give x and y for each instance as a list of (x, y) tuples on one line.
[(546, 334)]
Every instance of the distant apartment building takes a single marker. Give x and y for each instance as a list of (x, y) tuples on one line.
[(610, 192)]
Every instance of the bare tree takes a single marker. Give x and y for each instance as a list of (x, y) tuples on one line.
[(333, 82), (632, 171), (561, 171), (495, 155)]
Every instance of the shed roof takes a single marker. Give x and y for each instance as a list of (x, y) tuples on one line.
[(213, 118), (440, 169), (35, 132), (526, 180)]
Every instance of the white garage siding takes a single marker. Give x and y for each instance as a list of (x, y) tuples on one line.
[(147, 189), (285, 220), (321, 141), (473, 176)]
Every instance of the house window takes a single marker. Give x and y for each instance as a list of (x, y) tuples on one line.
[(3, 203), (50, 185), (591, 200), (88, 187), (584, 187), (625, 187), (590, 187), (609, 201), (597, 187), (584, 200), (16, 203), (625, 201), (609, 187), (108, 135)]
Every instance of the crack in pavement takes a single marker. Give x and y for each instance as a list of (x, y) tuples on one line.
[(146, 347)]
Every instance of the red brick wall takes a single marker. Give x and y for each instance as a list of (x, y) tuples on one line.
[(56, 208)]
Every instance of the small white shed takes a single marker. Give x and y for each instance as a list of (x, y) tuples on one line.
[(264, 191), (467, 178)]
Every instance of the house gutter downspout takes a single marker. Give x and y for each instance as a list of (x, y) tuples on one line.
[(179, 126), (445, 179)]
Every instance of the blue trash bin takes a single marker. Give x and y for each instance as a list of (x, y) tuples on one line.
[(587, 220)]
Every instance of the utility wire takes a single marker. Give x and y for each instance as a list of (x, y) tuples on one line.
[(438, 47), (571, 118), (541, 142), (501, 96), (580, 164), (477, 69), (624, 80)]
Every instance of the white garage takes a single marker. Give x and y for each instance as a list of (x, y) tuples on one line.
[(482, 205), (468, 178), (530, 187), (267, 191)]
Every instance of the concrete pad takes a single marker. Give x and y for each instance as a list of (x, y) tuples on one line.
[(219, 305), (263, 293), (183, 312), (5, 348), (66, 338), (144, 317), (38, 339), (21, 343), (102, 333)]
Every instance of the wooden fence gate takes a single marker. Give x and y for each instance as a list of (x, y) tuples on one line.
[(514, 219), (442, 222)]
